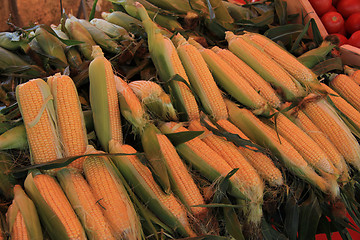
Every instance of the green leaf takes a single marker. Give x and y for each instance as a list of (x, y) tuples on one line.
[(317, 36), (269, 233), (182, 137), (291, 221), (310, 214), (281, 11), (93, 9), (265, 19), (285, 33), (232, 223), (327, 66)]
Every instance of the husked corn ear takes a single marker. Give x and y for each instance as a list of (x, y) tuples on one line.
[(37, 109), (267, 137), (252, 185), (286, 60), (353, 74), (204, 159), (165, 206), (21, 217), (341, 104), (103, 99), (265, 66), (112, 197), (348, 89), (262, 163), (130, 105), (85, 204), (200, 78), (231, 81), (322, 140), (305, 145), (53, 207), (326, 119), (168, 64), (255, 80), (69, 116), (184, 184), (155, 99)]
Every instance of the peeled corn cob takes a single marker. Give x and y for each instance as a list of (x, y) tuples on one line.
[(22, 218), (265, 66), (85, 204), (69, 116), (103, 99), (348, 89), (111, 196), (255, 80), (54, 209), (165, 206), (200, 78)]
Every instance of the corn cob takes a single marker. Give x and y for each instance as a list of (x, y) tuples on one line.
[(78, 32), (111, 196), (343, 106), (233, 83), (130, 106), (200, 78), (182, 183), (122, 19), (353, 74), (168, 64), (54, 209), (254, 79), (204, 159), (305, 145), (70, 123), (37, 109), (326, 119), (348, 89), (50, 44), (265, 66), (155, 99), (103, 99), (112, 30), (265, 136), (84, 203), (322, 140), (252, 186), (72, 55), (14, 138), (165, 206), (286, 60), (22, 218), (262, 163), (103, 40)]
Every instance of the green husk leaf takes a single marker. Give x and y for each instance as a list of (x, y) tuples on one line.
[(281, 11), (232, 223), (93, 9), (291, 217), (7, 180), (285, 33), (182, 137), (14, 138), (327, 66), (310, 214)]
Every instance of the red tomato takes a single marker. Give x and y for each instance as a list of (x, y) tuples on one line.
[(333, 22), (342, 38), (321, 6), (354, 40), (334, 2), (348, 7), (352, 24), (332, 9)]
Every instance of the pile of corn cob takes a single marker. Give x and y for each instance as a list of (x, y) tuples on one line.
[(116, 192)]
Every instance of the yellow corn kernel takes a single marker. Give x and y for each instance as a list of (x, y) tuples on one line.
[(201, 79), (353, 73), (262, 163), (111, 196), (255, 80), (325, 118), (348, 89), (181, 175), (69, 116), (37, 110), (85, 204), (322, 140), (18, 231), (52, 193)]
